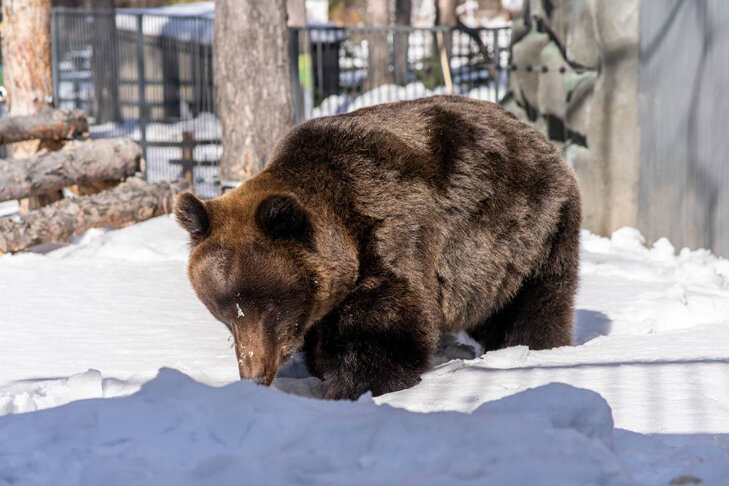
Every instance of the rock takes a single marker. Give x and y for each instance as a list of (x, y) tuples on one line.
[(592, 187), (541, 125), (510, 104), (551, 93), (596, 106), (519, 29), (579, 87), (581, 44), (613, 133), (557, 16), (553, 15), (616, 25), (526, 56), (536, 10)]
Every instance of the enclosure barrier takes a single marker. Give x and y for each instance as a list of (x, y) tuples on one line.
[(338, 69), (148, 76), (99, 175)]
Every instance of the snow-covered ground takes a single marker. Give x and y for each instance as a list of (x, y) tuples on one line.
[(99, 318), (388, 93)]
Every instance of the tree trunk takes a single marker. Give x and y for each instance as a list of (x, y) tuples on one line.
[(76, 163), (130, 202), (26, 45), (105, 63), (252, 78), (296, 10), (378, 67), (50, 125), (446, 12), (403, 11)]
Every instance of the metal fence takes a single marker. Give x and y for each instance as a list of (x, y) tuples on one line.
[(342, 69), (147, 77), (150, 77)]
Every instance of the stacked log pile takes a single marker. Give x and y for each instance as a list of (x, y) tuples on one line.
[(54, 125), (85, 166)]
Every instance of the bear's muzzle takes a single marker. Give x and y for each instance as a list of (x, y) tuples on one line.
[(258, 357)]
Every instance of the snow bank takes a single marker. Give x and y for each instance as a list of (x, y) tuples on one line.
[(32, 395), (99, 318), (177, 431)]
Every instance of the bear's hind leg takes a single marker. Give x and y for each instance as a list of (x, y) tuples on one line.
[(542, 312), (377, 340)]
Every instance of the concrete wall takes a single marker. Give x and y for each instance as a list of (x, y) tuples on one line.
[(575, 76), (635, 91), (684, 122)]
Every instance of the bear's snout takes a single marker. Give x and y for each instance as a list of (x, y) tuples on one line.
[(259, 380), (258, 357)]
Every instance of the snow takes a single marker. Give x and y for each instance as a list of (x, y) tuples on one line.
[(187, 22), (194, 9), (85, 330), (176, 431), (388, 93), (8, 208)]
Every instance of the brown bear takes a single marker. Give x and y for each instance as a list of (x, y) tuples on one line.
[(370, 233)]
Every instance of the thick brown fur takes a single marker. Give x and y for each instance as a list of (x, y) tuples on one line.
[(370, 233)]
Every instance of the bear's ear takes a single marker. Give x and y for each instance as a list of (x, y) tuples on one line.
[(282, 216), (192, 216)]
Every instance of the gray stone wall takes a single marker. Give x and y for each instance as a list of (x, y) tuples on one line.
[(575, 76), (684, 122)]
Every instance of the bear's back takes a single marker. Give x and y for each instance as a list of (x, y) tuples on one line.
[(445, 187), (456, 152)]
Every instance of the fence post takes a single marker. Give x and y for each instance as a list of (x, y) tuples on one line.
[(141, 85), (497, 64), (294, 70), (188, 157), (54, 56)]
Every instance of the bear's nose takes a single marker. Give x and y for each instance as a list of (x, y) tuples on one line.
[(260, 379)]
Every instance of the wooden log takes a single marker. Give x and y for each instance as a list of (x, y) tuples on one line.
[(26, 48), (49, 125), (130, 202), (78, 162)]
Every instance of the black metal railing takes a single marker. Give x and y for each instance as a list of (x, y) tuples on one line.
[(150, 77), (144, 76), (341, 69)]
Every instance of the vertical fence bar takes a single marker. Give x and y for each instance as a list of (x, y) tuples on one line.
[(319, 95), (496, 62), (294, 74), (54, 57), (141, 85)]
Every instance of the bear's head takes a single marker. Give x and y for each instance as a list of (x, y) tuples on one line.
[(268, 268)]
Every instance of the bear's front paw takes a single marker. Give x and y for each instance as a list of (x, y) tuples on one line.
[(339, 387)]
